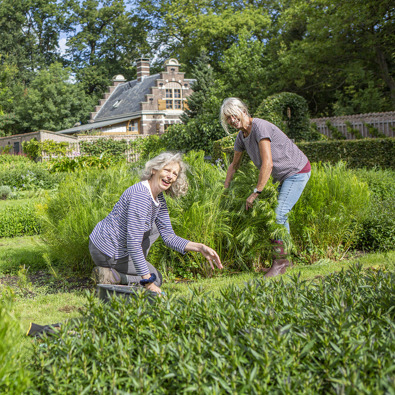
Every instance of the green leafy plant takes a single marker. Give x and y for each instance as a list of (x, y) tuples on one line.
[(103, 145), (353, 131), (5, 192), (331, 335), (35, 149), (335, 132)]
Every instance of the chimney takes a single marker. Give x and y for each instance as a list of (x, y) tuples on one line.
[(142, 68), (118, 80)]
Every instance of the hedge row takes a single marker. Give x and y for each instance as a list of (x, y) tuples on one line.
[(332, 336), (19, 221), (357, 153)]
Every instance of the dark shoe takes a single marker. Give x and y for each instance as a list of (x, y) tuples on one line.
[(105, 275), (279, 267)]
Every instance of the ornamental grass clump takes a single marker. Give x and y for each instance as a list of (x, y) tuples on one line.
[(325, 221), (82, 200), (332, 335)]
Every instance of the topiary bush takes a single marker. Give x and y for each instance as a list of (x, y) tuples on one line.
[(290, 113), (5, 192), (332, 335)]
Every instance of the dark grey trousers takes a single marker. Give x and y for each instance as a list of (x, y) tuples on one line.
[(125, 266)]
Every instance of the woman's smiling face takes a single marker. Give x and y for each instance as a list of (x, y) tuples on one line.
[(165, 177), (238, 122)]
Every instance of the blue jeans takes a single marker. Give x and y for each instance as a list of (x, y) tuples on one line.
[(289, 193)]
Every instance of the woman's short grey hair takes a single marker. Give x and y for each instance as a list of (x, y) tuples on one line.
[(232, 106), (180, 186)]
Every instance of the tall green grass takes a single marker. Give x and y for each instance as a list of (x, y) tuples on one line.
[(324, 222), (82, 200)]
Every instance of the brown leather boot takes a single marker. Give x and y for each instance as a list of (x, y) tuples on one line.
[(280, 260)]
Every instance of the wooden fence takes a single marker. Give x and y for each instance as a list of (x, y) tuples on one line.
[(383, 121)]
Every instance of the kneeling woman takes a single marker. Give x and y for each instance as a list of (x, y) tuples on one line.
[(119, 244)]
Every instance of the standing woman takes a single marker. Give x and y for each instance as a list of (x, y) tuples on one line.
[(119, 244), (274, 154)]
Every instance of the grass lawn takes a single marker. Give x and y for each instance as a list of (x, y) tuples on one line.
[(41, 305)]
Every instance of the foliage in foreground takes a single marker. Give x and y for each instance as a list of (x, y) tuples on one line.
[(14, 379), (335, 335)]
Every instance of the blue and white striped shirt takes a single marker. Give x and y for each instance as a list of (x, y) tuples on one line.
[(121, 232)]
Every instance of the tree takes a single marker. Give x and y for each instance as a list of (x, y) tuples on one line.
[(183, 29), (109, 39), (326, 46), (52, 102), (30, 33)]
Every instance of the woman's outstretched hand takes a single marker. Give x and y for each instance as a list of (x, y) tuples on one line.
[(210, 254)]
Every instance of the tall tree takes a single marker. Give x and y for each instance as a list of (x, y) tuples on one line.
[(184, 28), (29, 31), (108, 40), (52, 102), (324, 47)]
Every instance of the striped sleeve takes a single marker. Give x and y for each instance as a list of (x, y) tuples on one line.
[(138, 216), (166, 230)]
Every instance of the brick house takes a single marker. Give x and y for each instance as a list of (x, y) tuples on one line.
[(14, 142), (144, 106)]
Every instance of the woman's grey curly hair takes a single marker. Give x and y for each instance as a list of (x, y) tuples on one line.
[(180, 186), (231, 106)]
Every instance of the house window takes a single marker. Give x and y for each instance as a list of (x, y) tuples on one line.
[(133, 126), (173, 96)]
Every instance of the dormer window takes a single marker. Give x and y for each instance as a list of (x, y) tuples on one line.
[(116, 104), (173, 96)]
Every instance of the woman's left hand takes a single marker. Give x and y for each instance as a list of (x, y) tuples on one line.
[(250, 200)]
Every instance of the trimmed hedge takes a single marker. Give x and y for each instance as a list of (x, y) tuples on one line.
[(334, 335), (357, 153)]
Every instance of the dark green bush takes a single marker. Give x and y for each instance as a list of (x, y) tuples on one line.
[(20, 220), (334, 335), (289, 112)]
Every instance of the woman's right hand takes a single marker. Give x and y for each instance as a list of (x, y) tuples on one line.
[(152, 287)]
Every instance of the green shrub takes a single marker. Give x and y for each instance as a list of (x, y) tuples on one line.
[(19, 220), (289, 112), (14, 374), (28, 176), (6, 159), (334, 335), (5, 192), (324, 222), (353, 131), (66, 164), (377, 231)]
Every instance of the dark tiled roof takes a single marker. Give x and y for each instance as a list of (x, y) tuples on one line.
[(129, 95)]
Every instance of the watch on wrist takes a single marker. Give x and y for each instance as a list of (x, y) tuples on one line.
[(256, 191)]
